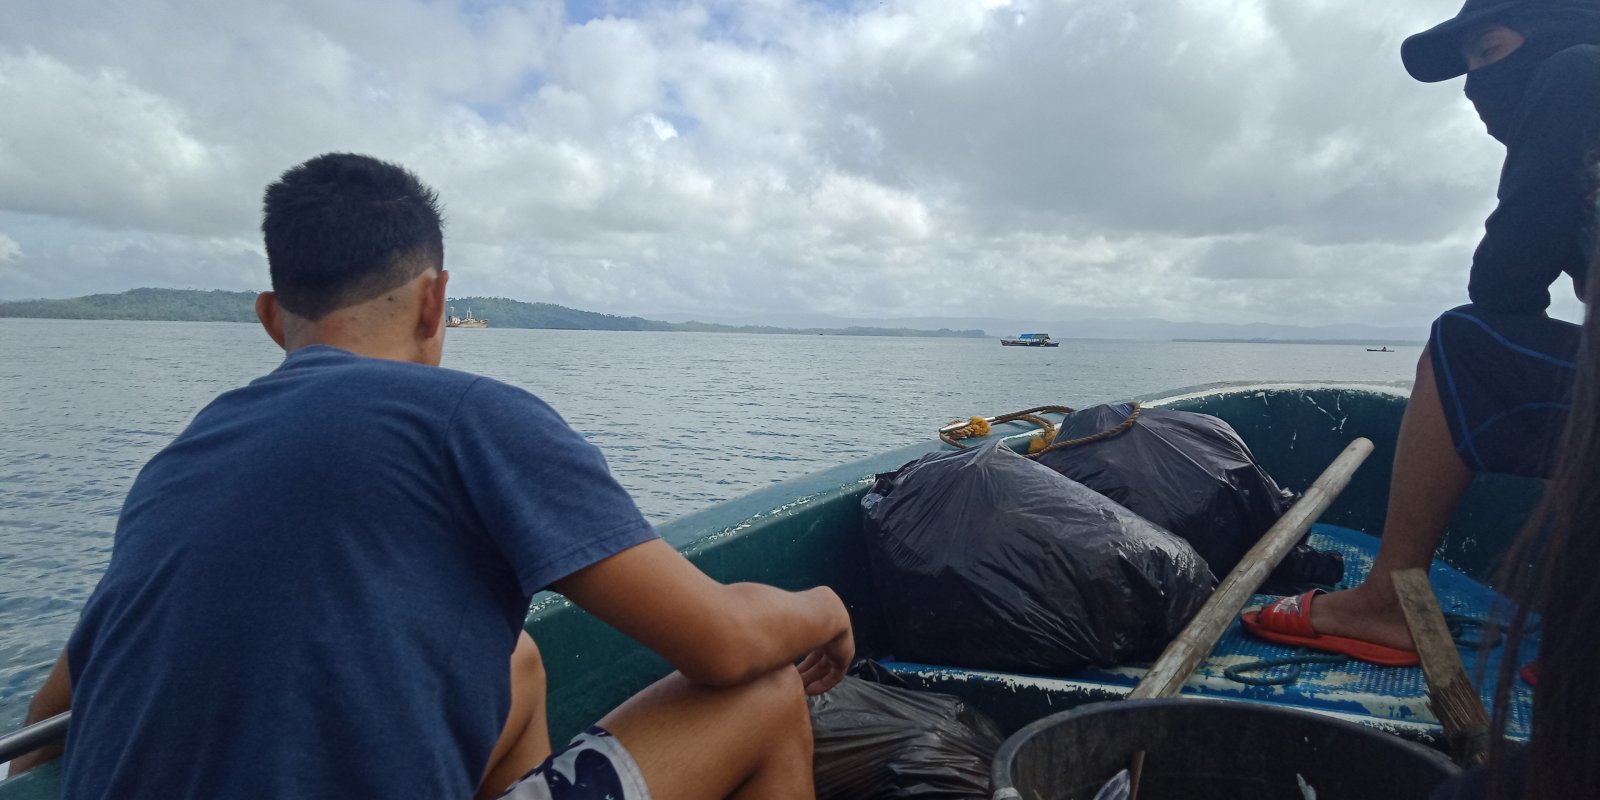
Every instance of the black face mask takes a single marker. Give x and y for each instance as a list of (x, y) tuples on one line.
[(1497, 89)]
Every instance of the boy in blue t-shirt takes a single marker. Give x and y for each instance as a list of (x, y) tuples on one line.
[(316, 589)]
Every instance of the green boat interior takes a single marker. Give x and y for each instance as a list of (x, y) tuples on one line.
[(809, 531)]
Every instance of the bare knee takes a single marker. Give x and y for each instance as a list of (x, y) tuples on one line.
[(525, 739), (527, 665), (782, 696), (785, 683)]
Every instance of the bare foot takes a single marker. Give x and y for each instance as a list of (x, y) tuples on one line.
[(1362, 613)]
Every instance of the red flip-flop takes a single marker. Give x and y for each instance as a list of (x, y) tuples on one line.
[(1287, 620), (1530, 673)]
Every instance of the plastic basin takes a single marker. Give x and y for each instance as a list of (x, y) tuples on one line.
[(1203, 749)]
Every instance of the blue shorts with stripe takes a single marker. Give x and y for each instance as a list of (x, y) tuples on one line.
[(1505, 382)]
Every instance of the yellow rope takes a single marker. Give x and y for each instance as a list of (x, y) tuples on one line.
[(977, 426), (1043, 441), (1133, 417)]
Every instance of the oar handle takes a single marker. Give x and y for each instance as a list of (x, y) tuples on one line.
[(1167, 675), (33, 737)]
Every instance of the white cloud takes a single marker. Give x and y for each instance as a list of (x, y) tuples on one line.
[(9, 249), (128, 156), (1232, 159)]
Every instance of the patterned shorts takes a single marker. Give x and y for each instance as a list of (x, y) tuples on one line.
[(593, 766)]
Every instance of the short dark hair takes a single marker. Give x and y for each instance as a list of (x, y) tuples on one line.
[(343, 229)]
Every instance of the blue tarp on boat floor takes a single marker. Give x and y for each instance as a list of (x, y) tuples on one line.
[(1377, 695)]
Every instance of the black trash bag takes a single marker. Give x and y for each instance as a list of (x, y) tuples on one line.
[(877, 741), (987, 560), (1192, 475), (1305, 567)]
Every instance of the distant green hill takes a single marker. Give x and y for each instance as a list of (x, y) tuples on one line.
[(193, 305), (504, 313), (196, 305)]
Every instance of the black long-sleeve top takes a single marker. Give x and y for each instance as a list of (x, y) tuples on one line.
[(1544, 225)]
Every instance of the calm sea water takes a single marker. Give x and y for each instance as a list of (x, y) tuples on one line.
[(686, 420)]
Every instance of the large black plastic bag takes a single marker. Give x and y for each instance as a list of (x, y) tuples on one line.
[(985, 559), (874, 741), (1188, 473)]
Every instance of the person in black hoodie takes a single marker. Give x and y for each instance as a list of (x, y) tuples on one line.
[(1491, 392), (1550, 572)]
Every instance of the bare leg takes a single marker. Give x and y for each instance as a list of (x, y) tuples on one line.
[(1429, 478), (525, 740), (692, 742)]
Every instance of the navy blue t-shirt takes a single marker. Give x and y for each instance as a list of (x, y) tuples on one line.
[(314, 591)]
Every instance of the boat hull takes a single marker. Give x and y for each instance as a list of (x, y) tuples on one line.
[(809, 531)]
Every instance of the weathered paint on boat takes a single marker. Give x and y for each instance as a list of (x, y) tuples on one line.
[(808, 531)]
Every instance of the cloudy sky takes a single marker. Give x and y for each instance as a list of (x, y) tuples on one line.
[(1207, 160)]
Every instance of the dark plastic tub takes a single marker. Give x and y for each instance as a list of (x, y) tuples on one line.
[(1204, 749)]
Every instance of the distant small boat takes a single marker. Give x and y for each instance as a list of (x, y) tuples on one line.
[(454, 321), (1030, 340), (1383, 349)]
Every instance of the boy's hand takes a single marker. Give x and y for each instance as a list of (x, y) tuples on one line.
[(825, 667)]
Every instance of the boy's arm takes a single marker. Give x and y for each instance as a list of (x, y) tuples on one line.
[(715, 634), (54, 697)]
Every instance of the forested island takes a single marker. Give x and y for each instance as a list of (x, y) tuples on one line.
[(186, 305), (198, 305)]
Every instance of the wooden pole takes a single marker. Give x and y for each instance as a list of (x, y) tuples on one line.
[(1183, 654), (1450, 692)]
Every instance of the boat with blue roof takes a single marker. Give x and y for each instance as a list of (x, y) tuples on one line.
[(1030, 340)]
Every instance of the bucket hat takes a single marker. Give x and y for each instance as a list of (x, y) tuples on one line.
[(1435, 54)]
